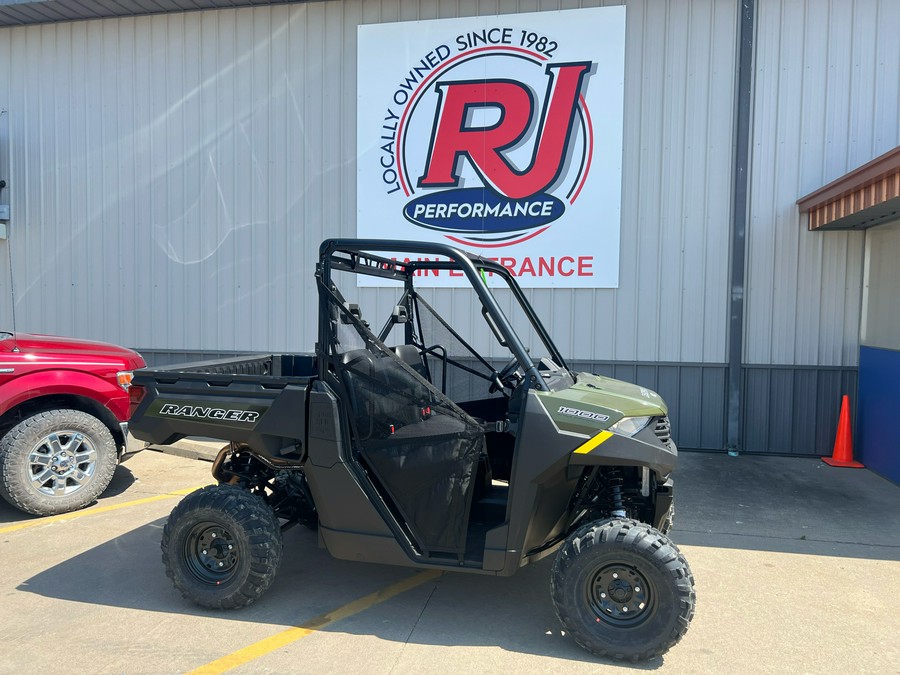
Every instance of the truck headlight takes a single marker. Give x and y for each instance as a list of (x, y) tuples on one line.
[(629, 426), (124, 378)]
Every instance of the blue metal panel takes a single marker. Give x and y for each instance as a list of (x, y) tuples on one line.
[(879, 401)]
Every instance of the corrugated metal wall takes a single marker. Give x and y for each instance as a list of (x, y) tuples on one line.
[(172, 176), (826, 97)]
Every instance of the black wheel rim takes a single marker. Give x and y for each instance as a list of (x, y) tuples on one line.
[(210, 553), (620, 595)]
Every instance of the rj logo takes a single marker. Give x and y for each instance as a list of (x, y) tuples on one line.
[(453, 136)]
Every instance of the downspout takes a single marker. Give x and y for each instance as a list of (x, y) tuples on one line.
[(739, 223)]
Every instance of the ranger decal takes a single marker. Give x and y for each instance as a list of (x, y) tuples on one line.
[(175, 410)]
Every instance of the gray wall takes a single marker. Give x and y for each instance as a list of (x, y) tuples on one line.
[(171, 177), (826, 95)]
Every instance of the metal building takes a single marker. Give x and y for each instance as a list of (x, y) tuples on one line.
[(171, 168)]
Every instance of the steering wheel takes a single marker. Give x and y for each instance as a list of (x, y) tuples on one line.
[(498, 380)]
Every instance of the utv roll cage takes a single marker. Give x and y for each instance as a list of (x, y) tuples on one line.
[(358, 256)]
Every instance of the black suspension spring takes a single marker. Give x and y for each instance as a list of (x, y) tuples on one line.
[(614, 482)]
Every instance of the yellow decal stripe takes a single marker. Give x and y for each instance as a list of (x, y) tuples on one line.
[(599, 439), (286, 637)]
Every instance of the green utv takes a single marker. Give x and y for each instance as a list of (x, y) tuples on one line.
[(403, 443)]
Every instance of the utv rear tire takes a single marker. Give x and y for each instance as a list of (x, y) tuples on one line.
[(222, 546), (56, 461), (622, 590)]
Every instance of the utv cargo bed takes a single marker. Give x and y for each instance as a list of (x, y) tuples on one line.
[(228, 398)]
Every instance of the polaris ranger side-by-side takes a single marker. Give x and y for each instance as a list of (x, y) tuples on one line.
[(403, 443)]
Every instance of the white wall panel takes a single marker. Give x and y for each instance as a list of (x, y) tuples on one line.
[(825, 102), (881, 320), (172, 176)]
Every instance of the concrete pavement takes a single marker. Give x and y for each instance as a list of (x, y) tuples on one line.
[(796, 568), (788, 504)]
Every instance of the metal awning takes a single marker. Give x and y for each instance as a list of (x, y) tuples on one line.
[(865, 197)]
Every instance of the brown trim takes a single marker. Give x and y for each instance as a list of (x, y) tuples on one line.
[(870, 185), (867, 174), (864, 198)]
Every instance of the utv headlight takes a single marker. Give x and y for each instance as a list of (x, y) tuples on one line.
[(629, 426)]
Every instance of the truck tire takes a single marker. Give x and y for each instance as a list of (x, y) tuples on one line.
[(622, 590), (222, 546), (56, 461)]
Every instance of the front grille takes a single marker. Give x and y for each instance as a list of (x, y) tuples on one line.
[(663, 431)]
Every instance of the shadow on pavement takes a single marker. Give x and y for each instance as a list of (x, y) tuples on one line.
[(787, 504), (794, 505), (513, 613), (122, 479)]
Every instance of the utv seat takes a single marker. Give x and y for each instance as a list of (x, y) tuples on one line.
[(411, 356), (356, 366), (382, 395)]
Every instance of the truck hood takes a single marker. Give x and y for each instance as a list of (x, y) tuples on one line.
[(52, 347)]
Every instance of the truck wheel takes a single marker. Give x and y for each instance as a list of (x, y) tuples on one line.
[(622, 589), (221, 547), (56, 461)]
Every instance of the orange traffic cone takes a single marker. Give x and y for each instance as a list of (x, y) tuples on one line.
[(843, 443)]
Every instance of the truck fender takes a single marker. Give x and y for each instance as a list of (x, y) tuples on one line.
[(67, 383)]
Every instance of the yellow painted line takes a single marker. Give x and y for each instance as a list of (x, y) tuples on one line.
[(90, 512), (286, 637), (602, 437)]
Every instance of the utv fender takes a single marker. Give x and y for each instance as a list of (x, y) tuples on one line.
[(609, 449)]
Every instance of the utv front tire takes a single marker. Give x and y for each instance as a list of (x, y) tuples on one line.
[(669, 521), (221, 547), (622, 590), (56, 461)]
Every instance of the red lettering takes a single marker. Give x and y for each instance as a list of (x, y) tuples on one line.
[(421, 272), (527, 267), (571, 261), (484, 146), (585, 265), (545, 266), (509, 263)]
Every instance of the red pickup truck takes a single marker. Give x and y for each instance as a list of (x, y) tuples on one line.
[(63, 419)]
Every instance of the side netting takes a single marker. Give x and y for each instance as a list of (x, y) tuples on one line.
[(420, 445)]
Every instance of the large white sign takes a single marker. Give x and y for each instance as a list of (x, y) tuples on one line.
[(501, 135)]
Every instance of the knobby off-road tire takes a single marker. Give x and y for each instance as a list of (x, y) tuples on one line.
[(622, 590), (221, 547), (56, 461)]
